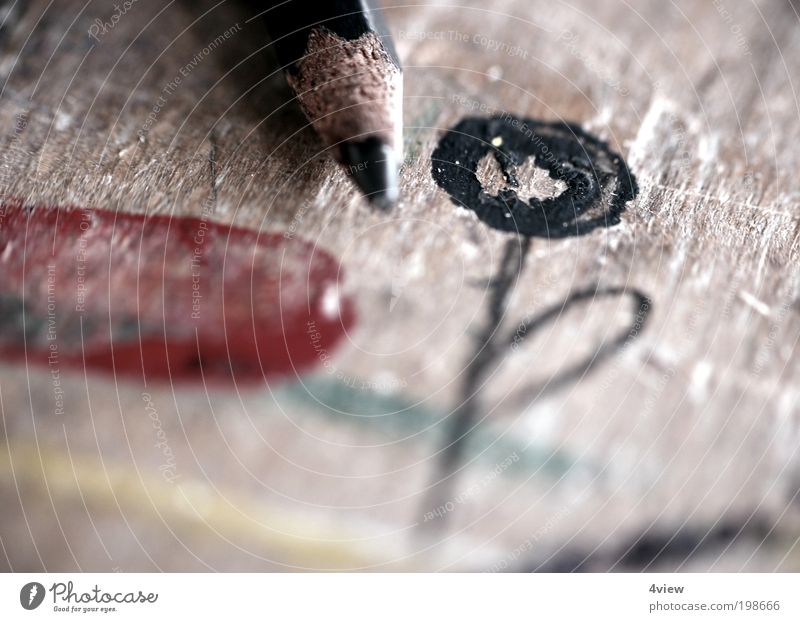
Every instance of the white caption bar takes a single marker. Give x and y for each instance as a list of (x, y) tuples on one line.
[(405, 597)]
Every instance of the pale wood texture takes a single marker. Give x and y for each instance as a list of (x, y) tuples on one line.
[(690, 428)]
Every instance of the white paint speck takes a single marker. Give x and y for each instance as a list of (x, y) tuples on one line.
[(759, 305), (63, 121), (701, 375), (330, 302)]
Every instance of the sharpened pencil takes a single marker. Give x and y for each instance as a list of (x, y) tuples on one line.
[(340, 60)]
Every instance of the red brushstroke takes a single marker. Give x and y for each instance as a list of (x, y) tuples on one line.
[(168, 297)]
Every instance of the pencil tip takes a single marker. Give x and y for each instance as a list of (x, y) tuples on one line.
[(373, 166)]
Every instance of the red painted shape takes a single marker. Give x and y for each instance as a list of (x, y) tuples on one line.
[(172, 298)]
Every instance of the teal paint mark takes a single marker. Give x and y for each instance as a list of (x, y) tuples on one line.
[(348, 403), (398, 419)]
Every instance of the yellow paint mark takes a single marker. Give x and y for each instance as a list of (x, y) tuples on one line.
[(190, 505)]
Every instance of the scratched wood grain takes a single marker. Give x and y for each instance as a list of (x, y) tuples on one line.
[(684, 441)]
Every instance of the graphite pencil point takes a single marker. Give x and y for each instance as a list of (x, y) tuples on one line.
[(373, 166), (339, 59)]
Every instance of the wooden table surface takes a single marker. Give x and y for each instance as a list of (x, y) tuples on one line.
[(649, 419)]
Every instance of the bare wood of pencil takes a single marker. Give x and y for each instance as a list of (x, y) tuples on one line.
[(340, 60)]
